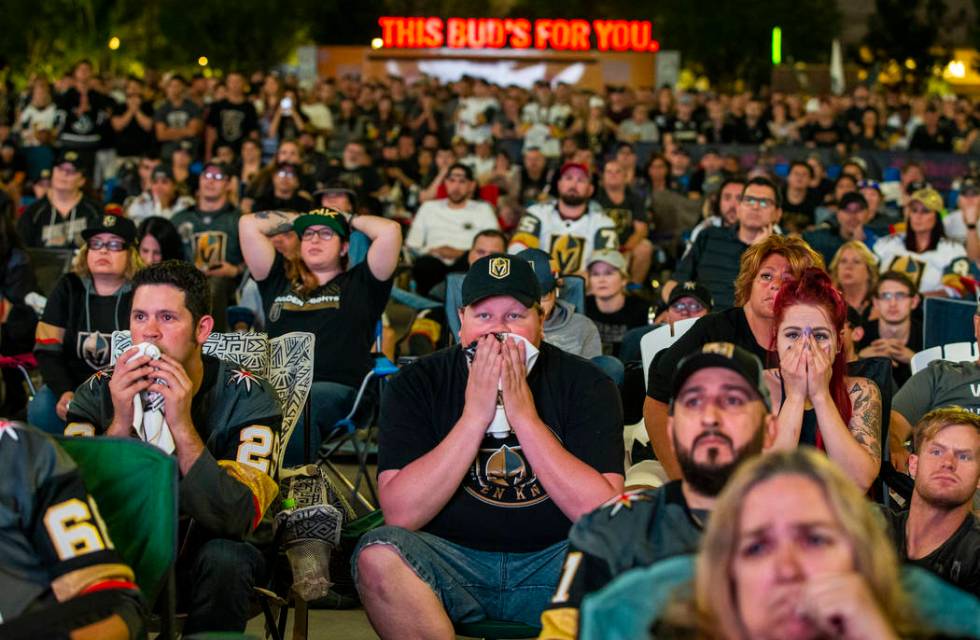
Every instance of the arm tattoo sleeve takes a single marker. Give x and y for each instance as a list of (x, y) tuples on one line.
[(865, 423)]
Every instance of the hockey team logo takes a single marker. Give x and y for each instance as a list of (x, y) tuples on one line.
[(93, 348), (567, 252), (501, 476), (209, 249), (500, 268), (109, 221)]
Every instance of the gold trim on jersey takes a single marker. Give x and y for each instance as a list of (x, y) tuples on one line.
[(72, 583)]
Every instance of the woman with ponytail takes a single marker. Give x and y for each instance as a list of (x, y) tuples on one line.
[(819, 404)]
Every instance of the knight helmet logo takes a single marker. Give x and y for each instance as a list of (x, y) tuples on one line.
[(500, 268)]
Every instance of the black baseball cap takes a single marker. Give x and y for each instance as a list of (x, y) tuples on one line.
[(541, 263), (970, 186), (116, 225), (850, 198), (691, 289), (69, 156), (162, 171), (334, 189), (726, 356), (325, 216), (499, 274)]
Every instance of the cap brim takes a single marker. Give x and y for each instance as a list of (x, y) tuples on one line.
[(303, 222), (702, 360), (527, 301)]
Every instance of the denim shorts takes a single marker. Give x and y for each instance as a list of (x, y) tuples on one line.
[(473, 584)]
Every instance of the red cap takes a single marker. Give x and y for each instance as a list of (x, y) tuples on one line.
[(568, 166)]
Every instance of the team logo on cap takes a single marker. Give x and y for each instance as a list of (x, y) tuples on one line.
[(960, 266), (690, 286), (500, 268), (71, 156), (726, 349), (109, 221)]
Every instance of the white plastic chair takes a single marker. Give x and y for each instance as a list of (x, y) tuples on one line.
[(286, 362), (954, 352), (659, 339)]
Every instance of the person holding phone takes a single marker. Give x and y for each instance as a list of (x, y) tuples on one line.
[(209, 231)]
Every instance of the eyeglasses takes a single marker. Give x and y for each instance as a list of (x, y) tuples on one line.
[(762, 203), (285, 174), (888, 296), (324, 233), (687, 307), (213, 175), (112, 245)]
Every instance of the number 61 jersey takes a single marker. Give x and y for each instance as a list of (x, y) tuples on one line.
[(53, 543), (569, 242), (238, 417)]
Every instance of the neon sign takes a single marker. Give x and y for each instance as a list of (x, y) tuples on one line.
[(500, 33)]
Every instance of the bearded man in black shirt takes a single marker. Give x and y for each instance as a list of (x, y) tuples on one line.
[(484, 464), (939, 532)]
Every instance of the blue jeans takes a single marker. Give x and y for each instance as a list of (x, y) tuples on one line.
[(472, 584), (612, 367), (329, 402), (217, 583), (41, 411)]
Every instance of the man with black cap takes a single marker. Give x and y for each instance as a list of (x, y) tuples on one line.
[(688, 300), (570, 228), (852, 215), (336, 196), (210, 234), (162, 199), (285, 194), (443, 230), (483, 466), (720, 416), (57, 220)]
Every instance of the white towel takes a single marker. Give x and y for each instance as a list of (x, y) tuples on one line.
[(148, 418)]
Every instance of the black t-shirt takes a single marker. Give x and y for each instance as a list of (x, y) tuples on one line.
[(500, 504), (806, 208), (233, 122), (531, 188), (134, 140), (363, 180), (902, 372), (729, 325), (624, 213), (613, 326), (342, 314), (957, 561), (87, 129), (270, 202), (684, 131), (824, 136)]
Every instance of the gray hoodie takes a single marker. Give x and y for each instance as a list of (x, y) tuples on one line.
[(572, 332)]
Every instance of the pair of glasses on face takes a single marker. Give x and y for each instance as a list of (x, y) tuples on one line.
[(762, 203), (96, 244), (888, 296), (213, 175), (285, 174), (687, 307), (323, 234)]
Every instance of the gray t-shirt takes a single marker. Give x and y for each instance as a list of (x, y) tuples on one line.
[(941, 384), (177, 117)]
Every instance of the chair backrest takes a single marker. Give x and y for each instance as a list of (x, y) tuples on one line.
[(454, 298), (135, 486), (285, 361), (954, 352), (659, 339), (48, 266), (945, 321)]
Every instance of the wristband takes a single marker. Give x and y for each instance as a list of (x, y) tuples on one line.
[(972, 226)]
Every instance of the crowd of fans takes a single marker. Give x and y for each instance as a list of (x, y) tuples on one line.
[(545, 231)]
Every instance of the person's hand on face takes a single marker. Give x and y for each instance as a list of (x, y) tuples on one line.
[(131, 376), (819, 368), (177, 390), (792, 368), (842, 606), (518, 401), (481, 387)]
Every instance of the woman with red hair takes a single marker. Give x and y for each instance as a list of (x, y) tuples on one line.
[(819, 404)]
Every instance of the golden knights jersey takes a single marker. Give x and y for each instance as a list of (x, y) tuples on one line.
[(570, 242), (53, 543)]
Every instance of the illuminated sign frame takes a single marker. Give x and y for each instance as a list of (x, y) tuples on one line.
[(518, 33)]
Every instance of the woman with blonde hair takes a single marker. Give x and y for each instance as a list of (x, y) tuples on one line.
[(74, 335), (763, 268), (313, 290), (793, 551), (854, 271)]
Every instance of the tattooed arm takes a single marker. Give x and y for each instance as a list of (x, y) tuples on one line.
[(254, 231), (856, 446)]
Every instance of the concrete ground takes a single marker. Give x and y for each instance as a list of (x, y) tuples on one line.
[(350, 624)]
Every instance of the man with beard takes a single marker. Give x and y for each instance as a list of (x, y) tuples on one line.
[(938, 532), (570, 228), (629, 214), (720, 415), (443, 230), (724, 208)]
